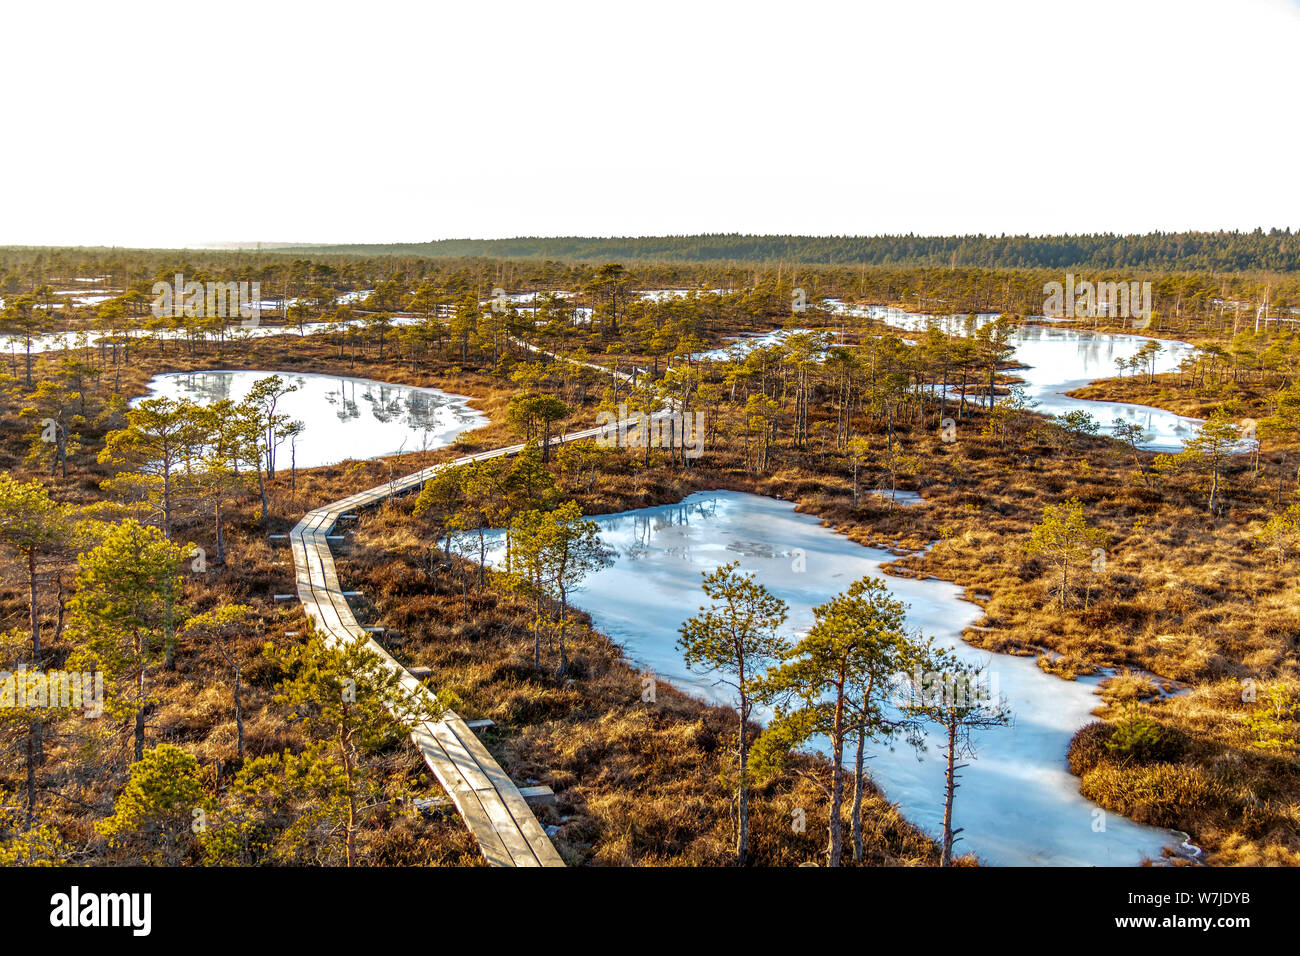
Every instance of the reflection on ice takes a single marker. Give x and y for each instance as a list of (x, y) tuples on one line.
[(345, 418), (14, 345), (1062, 359)]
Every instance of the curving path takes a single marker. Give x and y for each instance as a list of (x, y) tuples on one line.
[(484, 795)]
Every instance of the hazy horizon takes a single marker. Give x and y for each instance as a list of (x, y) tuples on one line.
[(273, 245)]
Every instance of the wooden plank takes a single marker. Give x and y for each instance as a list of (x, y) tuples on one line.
[(493, 808), (538, 796), (480, 823), (511, 799), (517, 845)]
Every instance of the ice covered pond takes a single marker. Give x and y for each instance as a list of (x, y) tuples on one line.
[(13, 347), (739, 346), (1018, 802), (1062, 358), (344, 418)]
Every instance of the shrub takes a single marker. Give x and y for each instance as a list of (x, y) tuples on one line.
[(1088, 746), (1159, 795), (1138, 738)]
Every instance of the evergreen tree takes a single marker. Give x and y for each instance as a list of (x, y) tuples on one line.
[(736, 639)]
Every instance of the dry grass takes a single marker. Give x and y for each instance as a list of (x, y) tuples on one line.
[(1210, 777), (1174, 392)]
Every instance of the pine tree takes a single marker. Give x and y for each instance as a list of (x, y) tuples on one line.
[(125, 611), (353, 704), (1065, 540), (34, 528), (154, 815), (834, 683), (736, 640), (558, 550), (161, 440), (221, 627), (1209, 453), (954, 696)]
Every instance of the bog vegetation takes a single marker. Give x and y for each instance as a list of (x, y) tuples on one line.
[(134, 544)]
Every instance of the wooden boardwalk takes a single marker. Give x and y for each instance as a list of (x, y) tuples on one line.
[(484, 795)]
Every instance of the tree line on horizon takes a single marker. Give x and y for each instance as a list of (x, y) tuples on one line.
[(1222, 251)]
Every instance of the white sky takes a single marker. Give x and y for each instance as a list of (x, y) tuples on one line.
[(132, 123)]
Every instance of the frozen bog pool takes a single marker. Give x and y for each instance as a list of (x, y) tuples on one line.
[(899, 498), (1018, 802), (739, 346), (665, 295), (345, 418), (16, 345), (1062, 358)]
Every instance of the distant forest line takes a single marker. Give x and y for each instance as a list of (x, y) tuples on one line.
[(1277, 250), (124, 279)]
